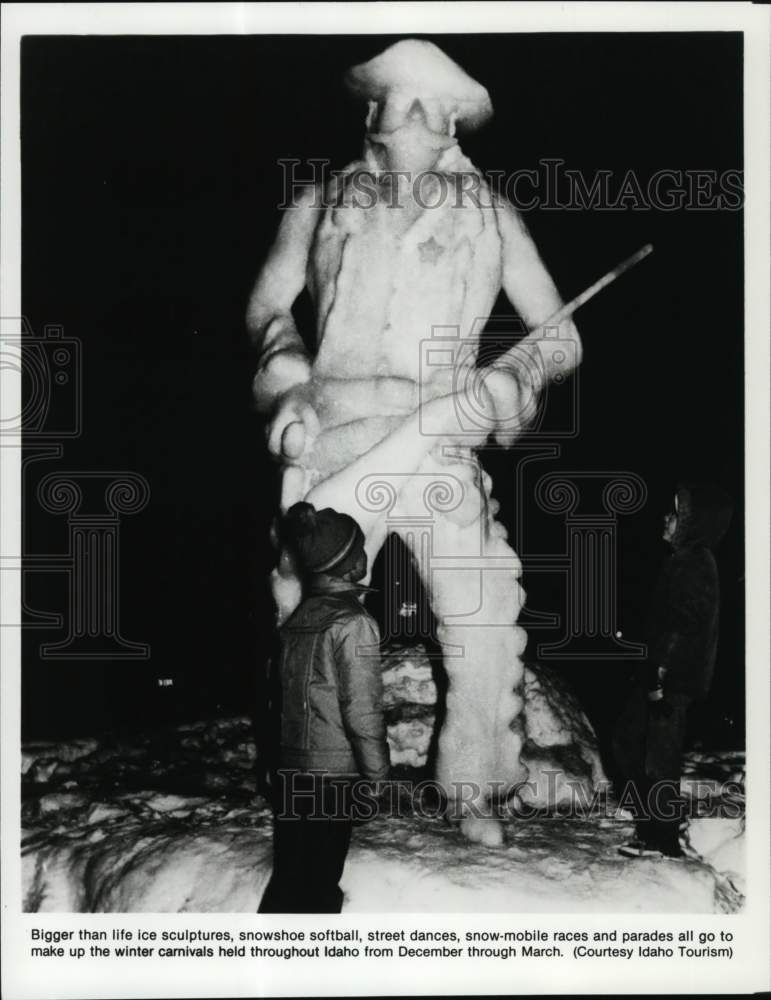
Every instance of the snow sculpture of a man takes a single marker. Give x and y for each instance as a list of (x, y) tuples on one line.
[(406, 240)]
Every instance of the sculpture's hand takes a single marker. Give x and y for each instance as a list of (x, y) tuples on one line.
[(507, 401), (293, 425)]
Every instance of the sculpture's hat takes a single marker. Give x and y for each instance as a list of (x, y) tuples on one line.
[(420, 69)]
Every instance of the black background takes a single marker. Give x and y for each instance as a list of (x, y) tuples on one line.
[(150, 194)]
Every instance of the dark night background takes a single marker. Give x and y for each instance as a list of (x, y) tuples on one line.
[(150, 194)]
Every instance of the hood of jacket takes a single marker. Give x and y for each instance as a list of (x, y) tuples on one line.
[(703, 516)]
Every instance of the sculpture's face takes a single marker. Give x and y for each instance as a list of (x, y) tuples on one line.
[(405, 119), (402, 109)]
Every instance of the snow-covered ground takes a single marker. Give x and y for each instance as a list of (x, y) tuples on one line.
[(170, 822)]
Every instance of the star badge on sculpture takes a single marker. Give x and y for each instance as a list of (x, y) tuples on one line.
[(430, 251)]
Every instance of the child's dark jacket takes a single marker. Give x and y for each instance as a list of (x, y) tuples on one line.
[(332, 713), (684, 615)]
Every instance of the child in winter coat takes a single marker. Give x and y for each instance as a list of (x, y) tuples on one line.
[(682, 644), (333, 731)]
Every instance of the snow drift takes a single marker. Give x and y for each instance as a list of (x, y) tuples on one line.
[(170, 822)]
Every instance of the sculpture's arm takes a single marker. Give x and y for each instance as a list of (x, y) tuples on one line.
[(526, 282), (530, 289), (281, 382)]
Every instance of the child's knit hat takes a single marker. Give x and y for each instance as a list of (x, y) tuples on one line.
[(324, 541)]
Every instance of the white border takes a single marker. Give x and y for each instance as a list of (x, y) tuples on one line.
[(21, 978)]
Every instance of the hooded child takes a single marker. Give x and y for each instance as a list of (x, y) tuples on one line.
[(682, 645)]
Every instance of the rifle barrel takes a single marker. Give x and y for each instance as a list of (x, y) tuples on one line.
[(568, 309)]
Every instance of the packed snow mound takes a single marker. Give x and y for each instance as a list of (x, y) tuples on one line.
[(560, 748), (169, 822)]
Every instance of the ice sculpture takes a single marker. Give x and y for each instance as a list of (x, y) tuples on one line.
[(404, 253)]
